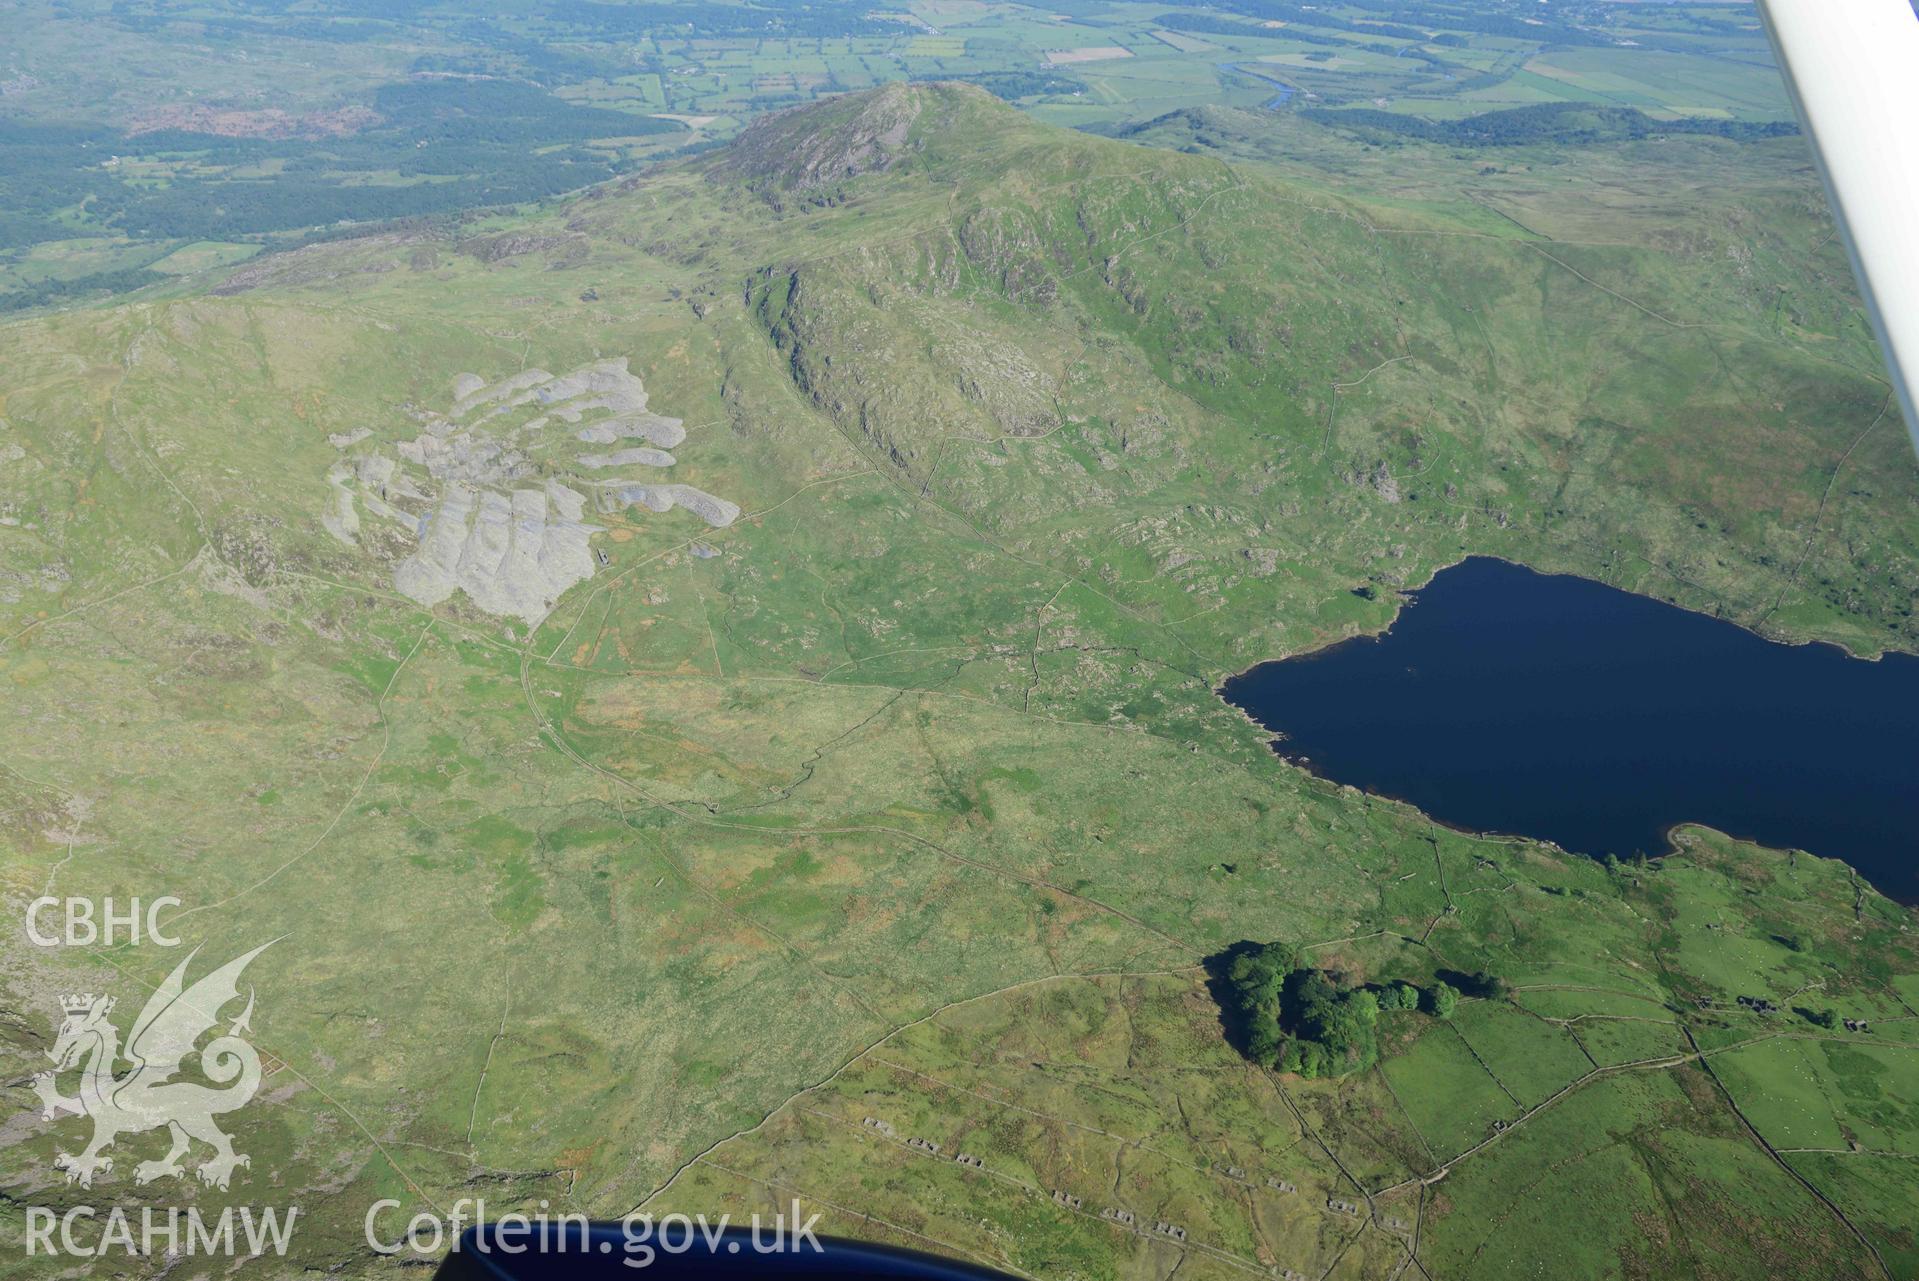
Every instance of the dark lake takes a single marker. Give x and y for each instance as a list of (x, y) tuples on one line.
[(1503, 700)]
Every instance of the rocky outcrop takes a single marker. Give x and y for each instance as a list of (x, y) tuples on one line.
[(716, 512), (512, 554), (822, 144), (808, 155), (518, 244), (471, 513)]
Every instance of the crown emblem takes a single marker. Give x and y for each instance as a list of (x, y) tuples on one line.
[(77, 1004)]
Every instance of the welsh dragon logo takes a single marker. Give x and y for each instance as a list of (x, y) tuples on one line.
[(146, 1097)]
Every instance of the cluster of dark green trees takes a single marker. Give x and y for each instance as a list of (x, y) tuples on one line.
[(1293, 1017), (46, 292), (1565, 123)]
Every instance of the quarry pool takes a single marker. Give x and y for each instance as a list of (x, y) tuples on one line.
[(1504, 700)]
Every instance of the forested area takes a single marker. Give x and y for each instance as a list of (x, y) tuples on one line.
[(439, 145), (1286, 1014), (1557, 122)]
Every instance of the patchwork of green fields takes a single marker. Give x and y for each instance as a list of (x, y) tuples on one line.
[(222, 121)]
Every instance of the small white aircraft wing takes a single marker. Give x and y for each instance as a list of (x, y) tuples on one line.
[(1853, 69)]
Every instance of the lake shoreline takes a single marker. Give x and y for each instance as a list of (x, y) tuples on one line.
[(1672, 847), (1588, 714), (1402, 604)]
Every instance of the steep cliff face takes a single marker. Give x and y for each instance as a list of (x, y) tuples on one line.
[(908, 367)]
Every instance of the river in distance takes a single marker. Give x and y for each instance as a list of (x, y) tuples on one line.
[(1504, 700)]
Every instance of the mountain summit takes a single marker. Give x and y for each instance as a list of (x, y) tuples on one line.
[(818, 145)]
